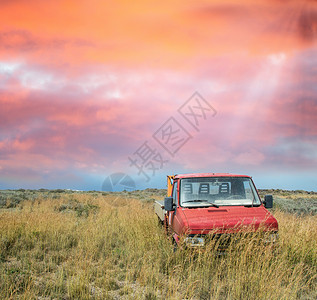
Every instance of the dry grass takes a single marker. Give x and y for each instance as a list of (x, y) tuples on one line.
[(82, 246)]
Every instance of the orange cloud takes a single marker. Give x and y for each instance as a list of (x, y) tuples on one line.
[(171, 34)]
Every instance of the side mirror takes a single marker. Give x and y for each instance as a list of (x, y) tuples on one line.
[(168, 204), (268, 201)]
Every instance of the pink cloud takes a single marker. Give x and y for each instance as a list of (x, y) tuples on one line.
[(82, 87)]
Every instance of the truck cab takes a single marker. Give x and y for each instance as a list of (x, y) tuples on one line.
[(203, 204)]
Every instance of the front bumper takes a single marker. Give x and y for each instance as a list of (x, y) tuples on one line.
[(223, 241)]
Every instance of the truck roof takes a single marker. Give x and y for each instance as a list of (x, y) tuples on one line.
[(179, 176)]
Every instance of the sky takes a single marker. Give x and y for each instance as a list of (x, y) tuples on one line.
[(131, 91)]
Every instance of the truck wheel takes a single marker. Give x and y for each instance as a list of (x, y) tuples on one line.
[(159, 222), (175, 246)]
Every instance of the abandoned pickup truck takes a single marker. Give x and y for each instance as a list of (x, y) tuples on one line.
[(201, 206)]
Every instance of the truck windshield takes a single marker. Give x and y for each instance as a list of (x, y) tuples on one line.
[(218, 191)]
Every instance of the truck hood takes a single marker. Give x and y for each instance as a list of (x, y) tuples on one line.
[(228, 219)]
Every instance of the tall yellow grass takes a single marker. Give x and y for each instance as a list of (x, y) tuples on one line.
[(85, 247)]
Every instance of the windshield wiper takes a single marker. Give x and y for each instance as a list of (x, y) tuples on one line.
[(194, 201), (251, 205), (210, 204)]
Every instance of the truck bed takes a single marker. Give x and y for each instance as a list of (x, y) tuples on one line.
[(159, 209)]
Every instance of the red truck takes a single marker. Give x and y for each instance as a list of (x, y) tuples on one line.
[(203, 205)]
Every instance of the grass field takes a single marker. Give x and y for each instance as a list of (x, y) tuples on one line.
[(92, 245)]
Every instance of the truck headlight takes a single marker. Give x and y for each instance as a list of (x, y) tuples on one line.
[(195, 241)]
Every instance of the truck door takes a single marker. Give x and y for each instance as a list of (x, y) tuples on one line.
[(172, 213), (175, 220)]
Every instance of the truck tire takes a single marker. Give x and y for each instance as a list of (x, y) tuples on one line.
[(175, 246), (159, 222)]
